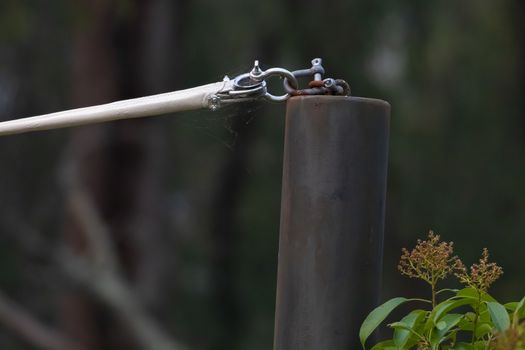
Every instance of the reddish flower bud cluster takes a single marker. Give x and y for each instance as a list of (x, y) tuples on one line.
[(481, 275), (431, 260)]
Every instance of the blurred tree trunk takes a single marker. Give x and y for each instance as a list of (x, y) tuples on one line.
[(120, 164), (92, 83), (225, 204), (225, 226)]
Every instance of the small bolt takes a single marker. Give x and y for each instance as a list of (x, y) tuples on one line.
[(256, 71), (329, 83)]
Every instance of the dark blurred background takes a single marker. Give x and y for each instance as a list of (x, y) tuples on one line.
[(148, 233)]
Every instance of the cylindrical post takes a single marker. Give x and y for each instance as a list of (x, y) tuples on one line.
[(332, 219)]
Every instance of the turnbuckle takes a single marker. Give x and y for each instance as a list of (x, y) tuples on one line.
[(253, 86)]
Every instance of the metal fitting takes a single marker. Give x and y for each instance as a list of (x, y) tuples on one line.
[(253, 85)]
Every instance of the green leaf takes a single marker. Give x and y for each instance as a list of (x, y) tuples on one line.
[(499, 316), (511, 306), (450, 290), (443, 327), (517, 308), (378, 315), (467, 323), (483, 329), (402, 335), (468, 293), (385, 345), (484, 315), (519, 312), (473, 294), (448, 305)]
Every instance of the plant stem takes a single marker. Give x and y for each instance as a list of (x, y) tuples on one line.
[(489, 340), (433, 285)]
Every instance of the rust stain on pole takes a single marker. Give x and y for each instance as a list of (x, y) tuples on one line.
[(332, 220)]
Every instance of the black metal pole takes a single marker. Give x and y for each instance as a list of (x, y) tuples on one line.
[(332, 219)]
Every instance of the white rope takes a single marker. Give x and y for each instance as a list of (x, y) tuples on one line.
[(177, 101)]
